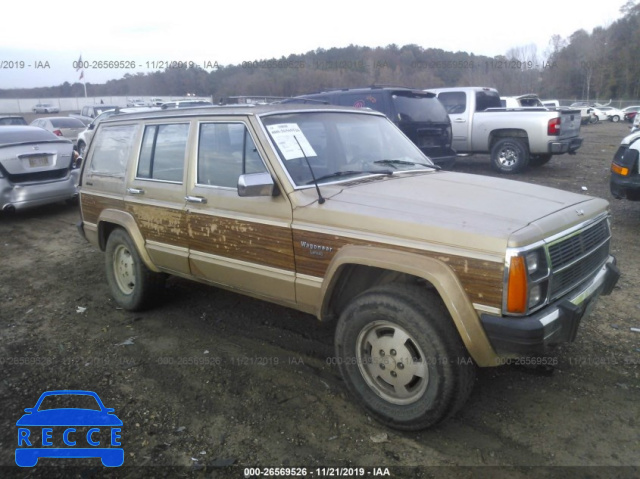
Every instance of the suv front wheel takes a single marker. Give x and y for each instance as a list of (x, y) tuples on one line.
[(401, 356), (133, 285)]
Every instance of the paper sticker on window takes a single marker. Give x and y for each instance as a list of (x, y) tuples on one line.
[(291, 141)]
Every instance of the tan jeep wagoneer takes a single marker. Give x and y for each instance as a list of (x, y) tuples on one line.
[(334, 212)]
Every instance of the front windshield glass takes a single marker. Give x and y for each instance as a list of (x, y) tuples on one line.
[(341, 146)]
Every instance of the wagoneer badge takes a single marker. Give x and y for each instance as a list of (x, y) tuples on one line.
[(316, 249)]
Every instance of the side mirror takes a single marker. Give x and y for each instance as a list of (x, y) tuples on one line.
[(91, 126), (256, 184)]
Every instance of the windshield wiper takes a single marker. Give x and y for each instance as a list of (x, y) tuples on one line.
[(403, 162), (336, 174)]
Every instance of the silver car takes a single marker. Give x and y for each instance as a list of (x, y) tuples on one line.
[(64, 126), (46, 108), (36, 168)]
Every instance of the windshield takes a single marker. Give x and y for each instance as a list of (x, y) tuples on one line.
[(340, 146)]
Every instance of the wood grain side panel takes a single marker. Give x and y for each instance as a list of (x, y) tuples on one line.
[(482, 280), (258, 243), (164, 225), (92, 206)]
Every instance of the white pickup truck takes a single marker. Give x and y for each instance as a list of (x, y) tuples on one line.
[(514, 137)]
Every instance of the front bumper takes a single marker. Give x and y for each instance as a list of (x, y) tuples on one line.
[(565, 146), (555, 324)]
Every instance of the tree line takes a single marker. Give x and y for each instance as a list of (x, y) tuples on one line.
[(601, 64)]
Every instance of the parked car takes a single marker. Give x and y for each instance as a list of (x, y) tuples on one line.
[(624, 181), (36, 168), (135, 102), (550, 104), (523, 101), (589, 112), (89, 112), (46, 108), (84, 138), (64, 126), (12, 120), (630, 113), (185, 104), (86, 135), (612, 114), (155, 102), (333, 211), (514, 139), (418, 114)]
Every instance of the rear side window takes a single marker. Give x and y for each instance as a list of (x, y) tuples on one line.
[(487, 99), (163, 152), (111, 149), (454, 102), (226, 151)]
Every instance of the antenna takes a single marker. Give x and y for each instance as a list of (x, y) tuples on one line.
[(320, 198)]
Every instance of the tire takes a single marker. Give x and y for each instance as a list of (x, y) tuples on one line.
[(81, 148), (375, 334), (615, 118), (539, 160), (133, 286), (509, 155)]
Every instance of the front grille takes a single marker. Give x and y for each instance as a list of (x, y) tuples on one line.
[(566, 251), (578, 257)]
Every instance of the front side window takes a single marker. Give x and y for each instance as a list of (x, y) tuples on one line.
[(226, 151), (111, 148), (163, 152)]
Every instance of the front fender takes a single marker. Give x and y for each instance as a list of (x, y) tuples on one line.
[(437, 273)]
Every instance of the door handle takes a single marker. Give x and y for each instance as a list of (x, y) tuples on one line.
[(195, 199), (460, 120), (135, 191)]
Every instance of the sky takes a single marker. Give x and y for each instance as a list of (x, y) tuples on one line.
[(40, 41)]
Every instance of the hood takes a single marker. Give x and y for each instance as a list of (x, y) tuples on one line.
[(453, 209)]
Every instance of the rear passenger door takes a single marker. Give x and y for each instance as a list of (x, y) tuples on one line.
[(243, 243), (155, 194)]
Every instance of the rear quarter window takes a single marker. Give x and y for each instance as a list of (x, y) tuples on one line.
[(110, 150)]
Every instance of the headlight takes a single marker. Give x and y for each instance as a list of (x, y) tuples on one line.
[(533, 262), (526, 281)]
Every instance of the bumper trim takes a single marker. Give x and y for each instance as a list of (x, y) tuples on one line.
[(555, 324)]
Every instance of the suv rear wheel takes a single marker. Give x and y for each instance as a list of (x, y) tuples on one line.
[(133, 285), (401, 356)]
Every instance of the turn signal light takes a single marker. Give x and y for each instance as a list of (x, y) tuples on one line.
[(517, 295), (621, 170)]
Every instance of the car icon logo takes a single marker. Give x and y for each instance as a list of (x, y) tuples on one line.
[(88, 431)]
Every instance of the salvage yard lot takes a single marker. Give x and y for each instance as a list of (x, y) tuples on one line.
[(213, 381)]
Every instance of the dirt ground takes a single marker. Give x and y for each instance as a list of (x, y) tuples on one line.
[(209, 383)]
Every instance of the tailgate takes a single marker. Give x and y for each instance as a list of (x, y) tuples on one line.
[(570, 123)]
